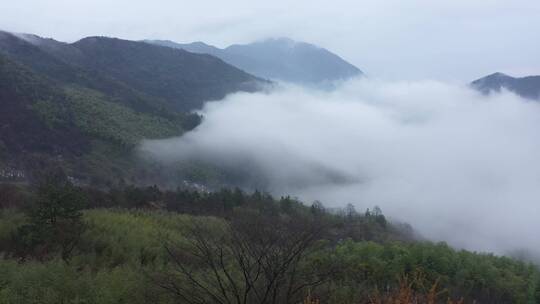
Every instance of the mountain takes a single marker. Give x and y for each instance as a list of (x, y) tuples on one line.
[(141, 75), (22, 129), (86, 105), (280, 59), (526, 87), (80, 129), (184, 79)]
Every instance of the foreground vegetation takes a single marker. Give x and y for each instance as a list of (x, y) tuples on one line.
[(63, 244)]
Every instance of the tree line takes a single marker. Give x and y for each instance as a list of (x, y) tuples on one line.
[(229, 246)]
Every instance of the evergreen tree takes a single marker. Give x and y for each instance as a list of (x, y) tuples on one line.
[(55, 219)]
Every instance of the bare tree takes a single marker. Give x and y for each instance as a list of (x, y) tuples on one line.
[(251, 259)]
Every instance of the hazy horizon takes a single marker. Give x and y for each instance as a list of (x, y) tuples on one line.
[(455, 41)]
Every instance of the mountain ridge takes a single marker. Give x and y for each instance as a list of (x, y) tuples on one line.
[(139, 74), (526, 87), (86, 105), (279, 59)]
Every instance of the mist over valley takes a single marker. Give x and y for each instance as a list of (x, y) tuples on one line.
[(374, 152)]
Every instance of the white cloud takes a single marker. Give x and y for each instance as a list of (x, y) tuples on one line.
[(458, 166)]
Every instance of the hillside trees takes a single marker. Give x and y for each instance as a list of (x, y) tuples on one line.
[(254, 258), (54, 220), (120, 256)]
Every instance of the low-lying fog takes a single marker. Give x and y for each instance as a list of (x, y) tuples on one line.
[(458, 166)]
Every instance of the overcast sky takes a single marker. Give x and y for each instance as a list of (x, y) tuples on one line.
[(451, 40)]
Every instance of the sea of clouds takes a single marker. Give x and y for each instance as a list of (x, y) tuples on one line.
[(459, 166)]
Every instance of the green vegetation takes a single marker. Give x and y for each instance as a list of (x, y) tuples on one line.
[(116, 123), (483, 277), (93, 134), (143, 245), (73, 103), (95, 116), (54, 220)]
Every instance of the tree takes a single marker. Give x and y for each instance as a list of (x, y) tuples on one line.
[(350, 211), (378, 216), (317, 208), (255, 259), (55, 219), (10, 196)]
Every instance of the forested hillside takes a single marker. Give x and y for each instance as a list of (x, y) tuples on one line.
[(143, 245), (23, 128), (185, 80), (143, 76), (87, 104), (43, 123)]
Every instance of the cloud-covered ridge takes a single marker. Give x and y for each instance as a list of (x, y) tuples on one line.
[(459, 166)]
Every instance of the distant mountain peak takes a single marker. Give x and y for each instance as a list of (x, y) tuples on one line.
[(94, 39), (499, 74), (280, 40), (199, 43), (283, 41), (526, 87), (165, 41), (34, 39), (279, 58), (276, 43)]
